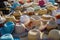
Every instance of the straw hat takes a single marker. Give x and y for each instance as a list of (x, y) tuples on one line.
[(54, 34), (25, 19), (17, 14), (44, 21), (51, 7), (19, 28), (36, 20), (33, 34), (52, 24), (10, 18), (42, 11), (46, 17)]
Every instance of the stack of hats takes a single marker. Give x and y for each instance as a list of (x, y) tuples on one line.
[(36, 20)]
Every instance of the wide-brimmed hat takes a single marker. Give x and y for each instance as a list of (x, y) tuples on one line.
[(46, 17)]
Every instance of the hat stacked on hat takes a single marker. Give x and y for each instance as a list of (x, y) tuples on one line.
[(36, 20)]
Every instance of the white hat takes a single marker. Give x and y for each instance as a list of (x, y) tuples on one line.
[(25, 19), (2, 19)]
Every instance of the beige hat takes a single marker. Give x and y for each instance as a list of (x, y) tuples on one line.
[(10, 18), (51, 7), (46, 17), (42, 11), (36, 20), (33, 34), (54, 34)]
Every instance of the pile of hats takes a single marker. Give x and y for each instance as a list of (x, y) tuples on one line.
[(33, 23)]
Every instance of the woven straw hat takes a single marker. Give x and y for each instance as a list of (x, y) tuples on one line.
[(54, 34), (33, 34)]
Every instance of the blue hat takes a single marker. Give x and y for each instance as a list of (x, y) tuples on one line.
[(7, 37), (9, 27)]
